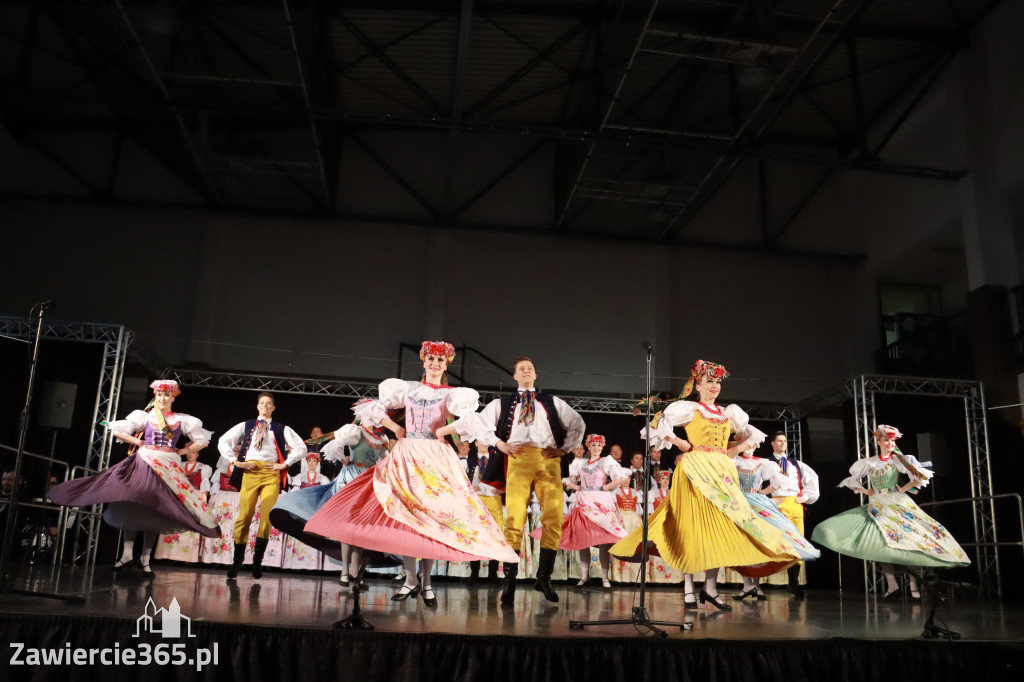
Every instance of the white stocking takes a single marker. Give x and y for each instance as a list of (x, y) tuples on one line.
[(409, 565), (711, 581), (426, 565), (585, 564), (148, 543), (688, 583)]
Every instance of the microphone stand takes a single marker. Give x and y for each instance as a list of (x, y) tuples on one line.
[(12, 512), (640, 617)]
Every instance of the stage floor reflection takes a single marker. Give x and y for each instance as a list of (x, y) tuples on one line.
[(317, 601)]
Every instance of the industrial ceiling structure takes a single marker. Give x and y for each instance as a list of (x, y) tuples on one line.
[(421, 112)]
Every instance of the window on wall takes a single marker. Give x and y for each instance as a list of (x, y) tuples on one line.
[(906, 308)]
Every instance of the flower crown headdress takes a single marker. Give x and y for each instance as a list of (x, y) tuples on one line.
[(166, 385), (442, 348)]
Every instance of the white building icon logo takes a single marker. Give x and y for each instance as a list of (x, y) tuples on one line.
[(170, 620)]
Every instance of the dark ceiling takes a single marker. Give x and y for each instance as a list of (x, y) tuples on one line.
[(637, 111)]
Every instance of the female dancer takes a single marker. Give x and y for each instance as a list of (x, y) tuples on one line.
[(594, 520), (291, 513), (890, 528), (418, 501), (148, 491), (754, 472), (706, 523), (309, 474)]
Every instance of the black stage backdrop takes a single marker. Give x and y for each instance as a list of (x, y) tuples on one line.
[(267, 654)]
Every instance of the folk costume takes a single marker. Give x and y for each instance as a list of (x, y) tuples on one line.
[(754, 474), (707, 523), (417, 501), (356, 449), (147, 491), (594, 520), (794, 485), (186, 545), (532, 420), (491, 497), (890, 528), (265, 442)]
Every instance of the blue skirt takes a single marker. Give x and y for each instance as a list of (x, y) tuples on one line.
[(293, 510)]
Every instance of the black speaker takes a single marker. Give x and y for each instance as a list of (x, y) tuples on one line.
[(58, 405)]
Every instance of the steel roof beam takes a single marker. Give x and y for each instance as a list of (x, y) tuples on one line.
[(317, 145), (387, 61)]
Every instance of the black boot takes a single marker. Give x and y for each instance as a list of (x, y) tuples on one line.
[(492, 571), (545, 566), (257, 557), (508, 592), (237, 562), (474, 572), (794, 581)]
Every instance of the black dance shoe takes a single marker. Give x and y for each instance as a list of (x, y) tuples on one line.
[(405, 592), (752, 592), (715, 601), (430, 600), (689, 601)]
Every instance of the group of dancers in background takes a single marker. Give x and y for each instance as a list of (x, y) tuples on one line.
[(404, 492)]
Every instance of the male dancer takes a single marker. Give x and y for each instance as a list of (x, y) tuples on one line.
[(796, 486), (262, 466), (531, 431)]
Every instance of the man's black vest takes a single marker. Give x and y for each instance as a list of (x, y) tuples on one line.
[(277, 428), (494, 473)]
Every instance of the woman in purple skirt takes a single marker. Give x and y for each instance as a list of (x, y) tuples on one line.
[(148, 491)]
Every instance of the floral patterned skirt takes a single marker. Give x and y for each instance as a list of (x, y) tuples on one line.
[(416, 502), (184, 546), (892, 529), (148, 491), (593, 520), (764, 507), (707, 523)]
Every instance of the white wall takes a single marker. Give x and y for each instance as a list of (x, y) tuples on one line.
[(334, 298)]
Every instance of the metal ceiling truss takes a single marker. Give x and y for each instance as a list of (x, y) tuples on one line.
[(137, 88), (740, 144), (863, 390)]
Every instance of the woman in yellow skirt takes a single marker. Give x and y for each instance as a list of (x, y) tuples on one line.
[(707, 523)]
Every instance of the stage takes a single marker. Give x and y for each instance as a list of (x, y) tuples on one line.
[(281, 627)]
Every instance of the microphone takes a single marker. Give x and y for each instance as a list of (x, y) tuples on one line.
[(648, 347), (43, 305)]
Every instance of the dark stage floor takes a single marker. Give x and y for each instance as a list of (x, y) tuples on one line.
[(314, 601)]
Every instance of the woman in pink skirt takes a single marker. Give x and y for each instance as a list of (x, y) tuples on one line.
[(418, 502), (594, 520)]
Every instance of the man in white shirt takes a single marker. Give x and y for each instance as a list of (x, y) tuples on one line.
[(262, 465), (531, 431), (795, 486)]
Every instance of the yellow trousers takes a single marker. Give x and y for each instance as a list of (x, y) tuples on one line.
[(531, 471), (493, 504), (792, 510), (263, 484)]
